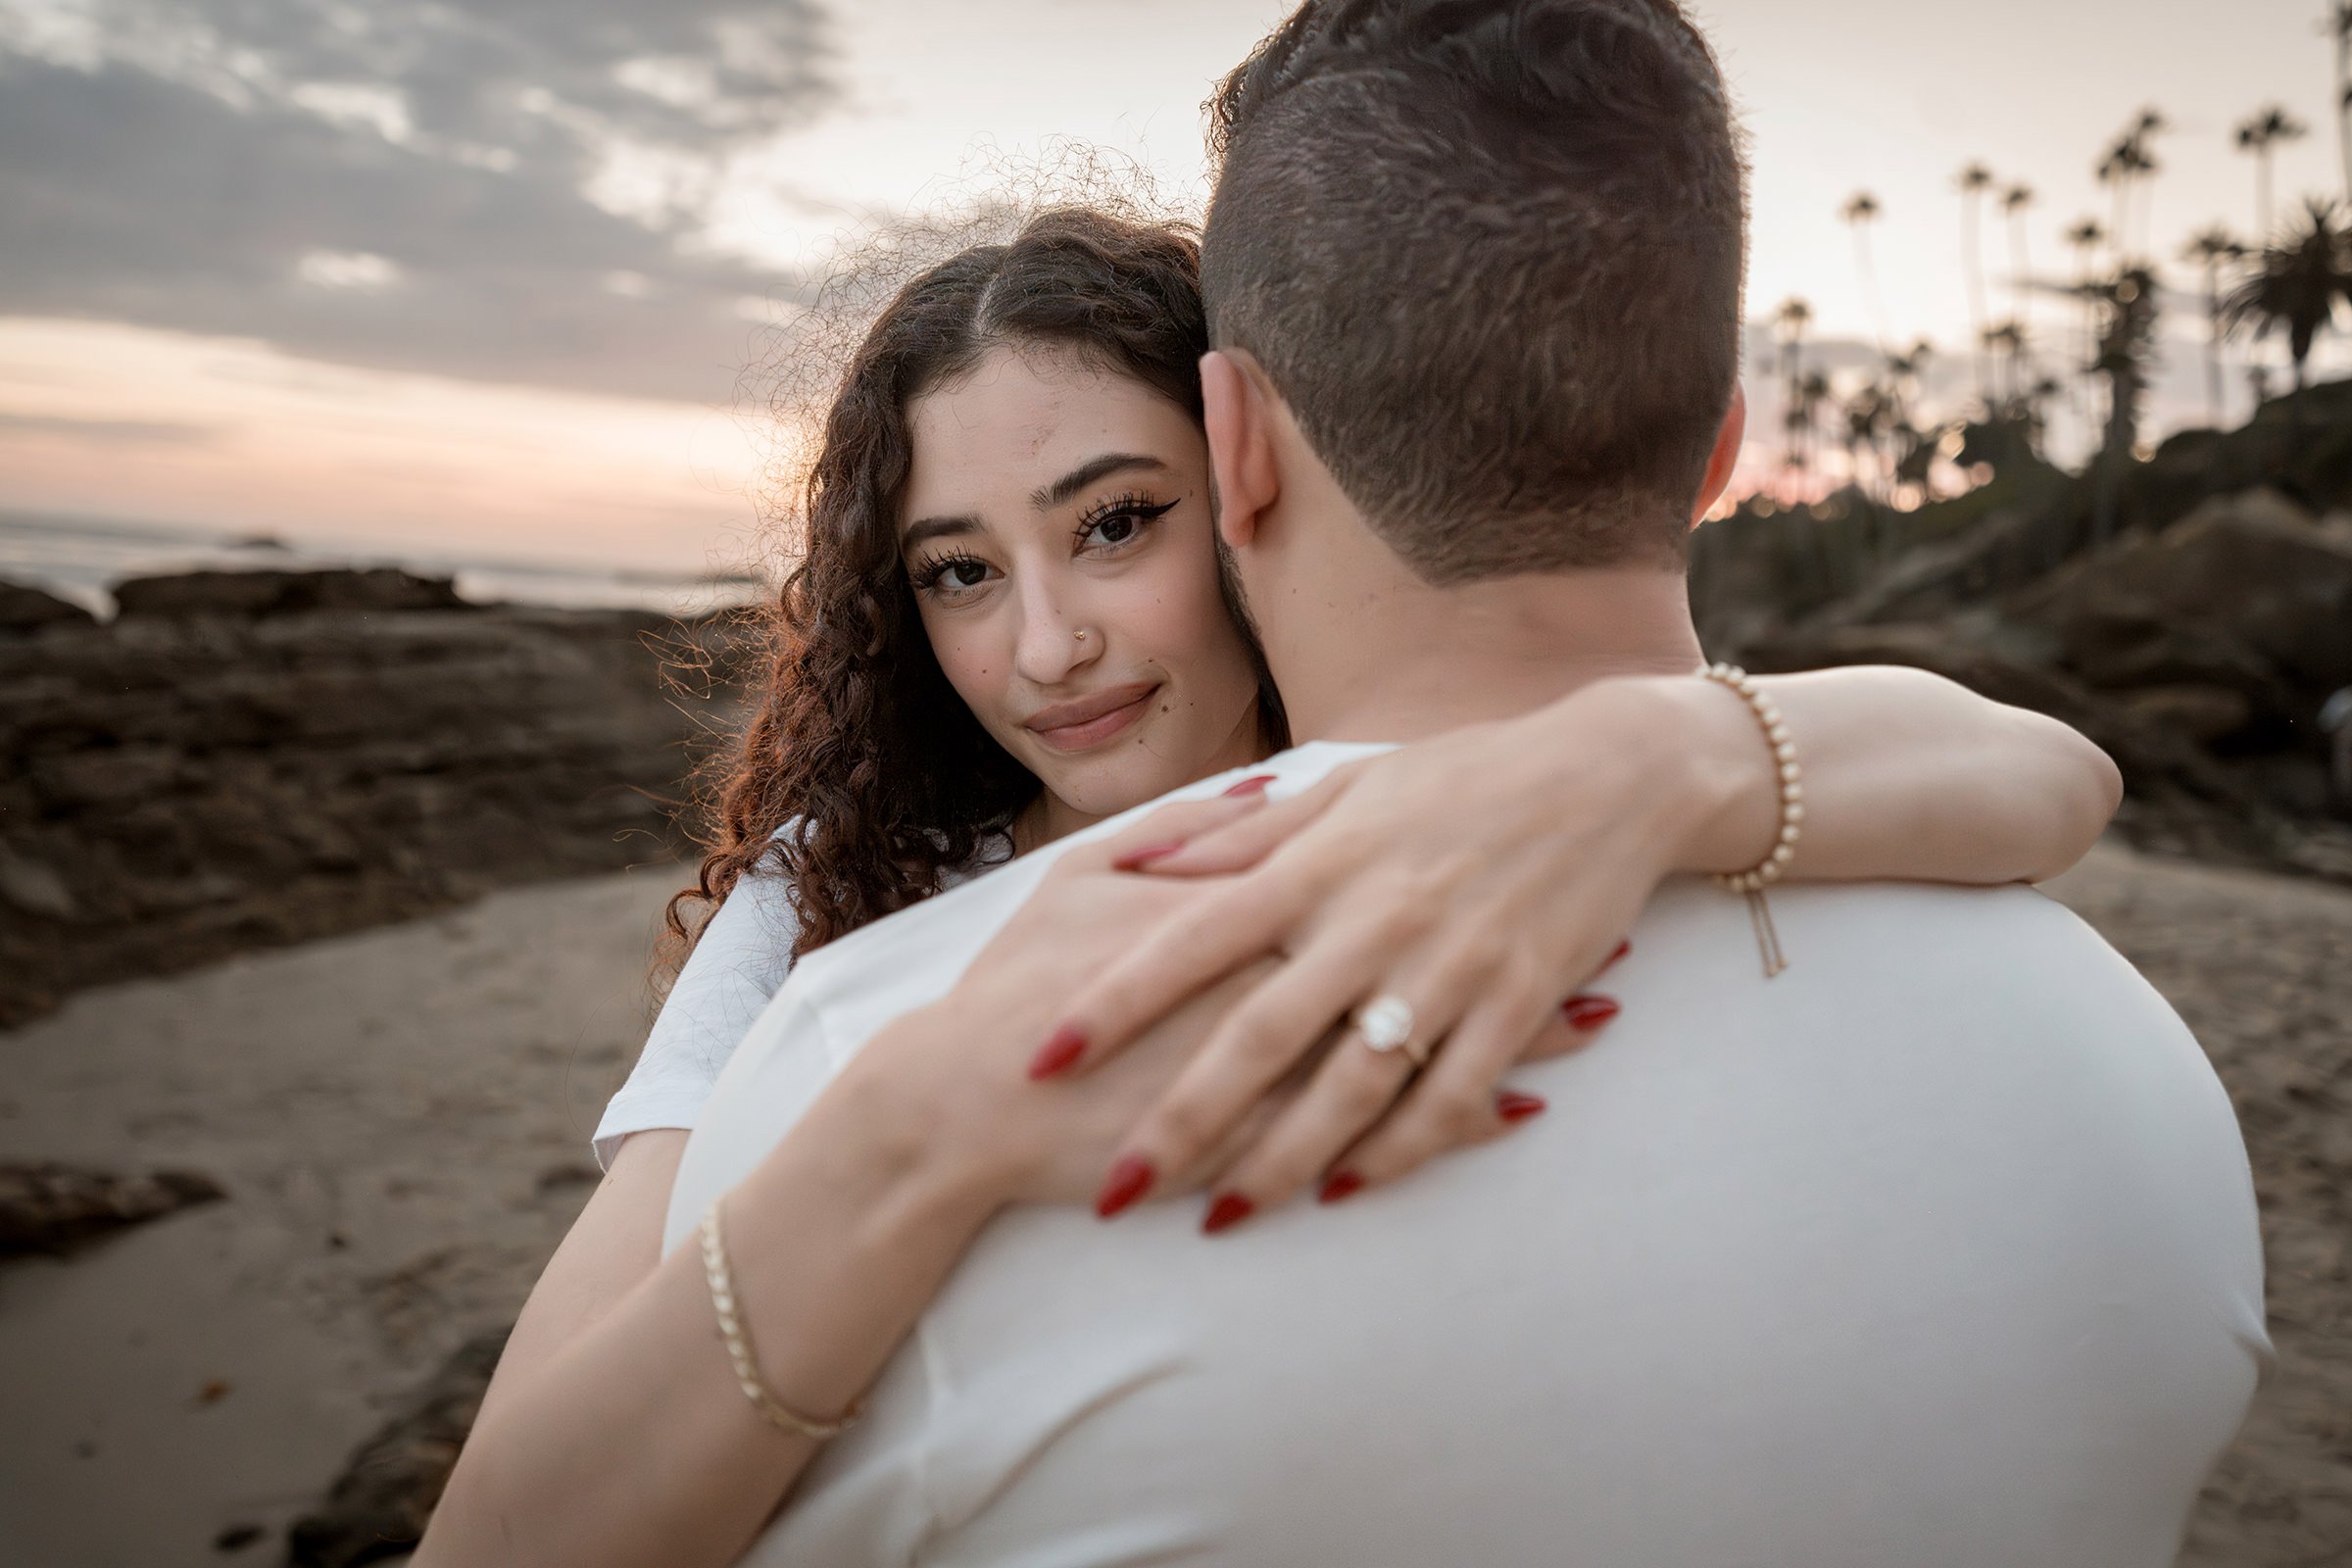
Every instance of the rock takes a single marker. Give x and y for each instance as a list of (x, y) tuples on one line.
[(2203, 714), (178, 787), (379, 1507), (26, 610), (2181, 799), (253, 594), (2250, 571), (54, 1208)]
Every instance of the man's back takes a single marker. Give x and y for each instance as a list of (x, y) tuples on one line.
[(1938, 1247)]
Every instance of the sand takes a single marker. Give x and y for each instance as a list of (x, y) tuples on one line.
[(401, 1118)]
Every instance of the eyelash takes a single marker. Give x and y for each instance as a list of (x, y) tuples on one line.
[(929, 574), (1141, 507)]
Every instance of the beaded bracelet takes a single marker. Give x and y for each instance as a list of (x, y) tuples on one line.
[(1766, 872), (739, 1346)]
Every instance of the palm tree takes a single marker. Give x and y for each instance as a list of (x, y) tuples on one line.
[(2140, 156), (2014, 202), (2213, 248), (2086, 236), (2005, 341), (1973, 181), (2127, 346), (2257, 136), (1869, 413), (1790, 322), (1803, 417), (1860, 210), (2339, 23), (2295, 287)]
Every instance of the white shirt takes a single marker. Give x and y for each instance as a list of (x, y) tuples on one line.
[(739, 962), (1938, 1249)]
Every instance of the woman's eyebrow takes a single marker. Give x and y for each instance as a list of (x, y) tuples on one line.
[(1049, 496), (930, 528)]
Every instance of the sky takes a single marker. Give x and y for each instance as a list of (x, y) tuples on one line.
[(502, 271)]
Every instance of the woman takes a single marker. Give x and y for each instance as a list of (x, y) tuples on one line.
[(1009, 625)]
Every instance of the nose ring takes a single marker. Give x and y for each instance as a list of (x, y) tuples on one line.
[(1082, 636)]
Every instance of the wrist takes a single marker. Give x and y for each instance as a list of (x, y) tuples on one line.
[(891, 1135), (1709, 778)]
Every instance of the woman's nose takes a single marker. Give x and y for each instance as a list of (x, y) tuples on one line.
[(1055, 644)]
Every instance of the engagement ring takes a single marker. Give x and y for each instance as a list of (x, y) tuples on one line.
[(1385, 1022)]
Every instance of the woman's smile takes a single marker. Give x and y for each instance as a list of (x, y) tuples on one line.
[(1088, 721)]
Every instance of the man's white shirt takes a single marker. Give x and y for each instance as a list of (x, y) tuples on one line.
[(1938, 1247)]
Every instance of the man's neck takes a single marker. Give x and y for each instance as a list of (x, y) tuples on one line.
[(1376, 655)]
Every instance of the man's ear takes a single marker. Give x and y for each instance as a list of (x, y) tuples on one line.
[(1725, 456), (1237, 414)]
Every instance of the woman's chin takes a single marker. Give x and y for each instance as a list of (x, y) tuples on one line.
[(1104, 786)]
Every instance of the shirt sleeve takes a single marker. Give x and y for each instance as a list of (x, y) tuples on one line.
[(737, 964)]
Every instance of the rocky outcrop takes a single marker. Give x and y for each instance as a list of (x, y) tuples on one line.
[(54, 1208), (245, 760), (2200, 653), (379, 1505)]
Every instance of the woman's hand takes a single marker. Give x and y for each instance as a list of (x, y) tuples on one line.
[(953, 1081), (1481, 877)]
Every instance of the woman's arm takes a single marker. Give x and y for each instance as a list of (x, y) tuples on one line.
[(1907, 775), (614, 1432), (1483, 874)]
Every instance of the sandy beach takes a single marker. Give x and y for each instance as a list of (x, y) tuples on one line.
[(400, 1118)]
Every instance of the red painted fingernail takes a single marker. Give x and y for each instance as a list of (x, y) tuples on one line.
[(1230, 1209), (1342, 1184), (1137, 859), (1129, 1179), (1512, 1105), (1066, 1045), (1254, 784), (1621, 950), (1588, 1012)]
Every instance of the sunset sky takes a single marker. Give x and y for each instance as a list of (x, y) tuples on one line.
[(488, 275)]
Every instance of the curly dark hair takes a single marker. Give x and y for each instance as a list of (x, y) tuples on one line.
[(855, 733)]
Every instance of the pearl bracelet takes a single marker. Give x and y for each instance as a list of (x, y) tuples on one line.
[(739, 1346), (1764, 873)]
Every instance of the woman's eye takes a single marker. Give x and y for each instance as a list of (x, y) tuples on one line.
[(955, 575), (1120, 524)]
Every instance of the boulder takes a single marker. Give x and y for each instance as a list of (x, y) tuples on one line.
[(258, 593), (55, 1208), (178, 788), (379, 1507), (24, 610), (2181, 798), (2246, 591)]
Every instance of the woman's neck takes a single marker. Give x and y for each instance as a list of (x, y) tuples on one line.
[(1044, 819)]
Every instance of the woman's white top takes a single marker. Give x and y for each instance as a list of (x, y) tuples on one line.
[(739, 962)]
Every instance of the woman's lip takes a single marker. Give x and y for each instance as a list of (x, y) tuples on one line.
[(1099, 726)]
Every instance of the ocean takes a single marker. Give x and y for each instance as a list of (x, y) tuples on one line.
[(81, 559)]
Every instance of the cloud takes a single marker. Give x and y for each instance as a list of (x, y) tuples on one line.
[(409, 185), (108, 432)]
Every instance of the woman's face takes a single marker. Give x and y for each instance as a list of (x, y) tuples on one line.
[(1055, 527)]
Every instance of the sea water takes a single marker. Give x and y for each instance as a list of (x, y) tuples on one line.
[(82, 558)]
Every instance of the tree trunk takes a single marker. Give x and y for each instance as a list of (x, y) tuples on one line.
[(2343, 97)]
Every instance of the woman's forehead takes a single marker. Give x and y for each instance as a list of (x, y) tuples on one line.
[(1018, 421)]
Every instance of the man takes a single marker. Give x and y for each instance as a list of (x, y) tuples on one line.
[(1938, 1247)]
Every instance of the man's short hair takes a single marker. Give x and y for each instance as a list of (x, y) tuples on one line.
[(1490, 252)]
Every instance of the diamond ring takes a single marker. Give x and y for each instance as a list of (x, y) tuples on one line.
[(1385, 1022)]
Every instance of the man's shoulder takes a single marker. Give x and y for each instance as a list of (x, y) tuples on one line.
[(942, 933)]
